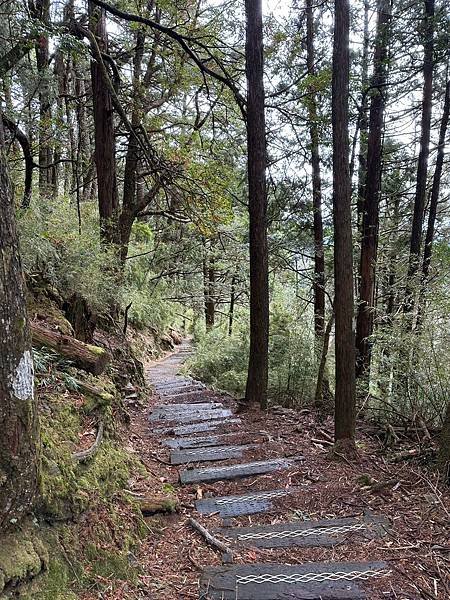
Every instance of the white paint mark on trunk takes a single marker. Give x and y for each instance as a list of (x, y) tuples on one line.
[(23, 384)]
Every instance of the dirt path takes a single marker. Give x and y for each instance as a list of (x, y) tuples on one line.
[(173, 556)]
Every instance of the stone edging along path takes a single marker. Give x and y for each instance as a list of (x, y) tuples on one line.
[(200, 458)]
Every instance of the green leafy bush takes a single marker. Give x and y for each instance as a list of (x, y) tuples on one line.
[(222, 361), (54, 250)]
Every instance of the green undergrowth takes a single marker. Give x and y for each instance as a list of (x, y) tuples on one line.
[(221, 360)]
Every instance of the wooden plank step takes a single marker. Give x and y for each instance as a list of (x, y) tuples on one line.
[(173, 392), (236, 471), (197, 427), (312, 581), (179, 457), (199, 442), (325, 532), (198, 394), (246, 504), (169, 411), (193, 415), (169, 383)]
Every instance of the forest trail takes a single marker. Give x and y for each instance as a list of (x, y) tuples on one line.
[(290, 523)]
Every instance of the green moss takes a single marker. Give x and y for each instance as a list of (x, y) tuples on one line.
[(108, 472), (96, 350), (107, 564), (67, 486), (97, 401), (22, 556), (59, 436), (54, 584)]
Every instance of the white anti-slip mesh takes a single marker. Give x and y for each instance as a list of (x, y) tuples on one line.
[(264, 496), (311, 577), (299, 533), (269, 463), (214, 450)]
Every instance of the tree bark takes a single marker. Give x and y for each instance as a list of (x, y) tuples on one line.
[(46, 177), (422, 164), (210, 303), (19, 442), (319, 262), (444, 448), (257, 376), (319, 400), (208, 285), (372, 190), (343, 259), (434, 199), (104, 153), (83, 172), (363, 125), (128, 213), (232, 303), (24, 142)]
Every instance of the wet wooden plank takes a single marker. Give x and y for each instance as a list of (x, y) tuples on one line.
[(168, 384), (197, 427), (236, 471), (171, 411), (324, 532), (312, 581), (246, 504), (173, 392), (179, 457), (192, 416), (196, 395), (199, 442)]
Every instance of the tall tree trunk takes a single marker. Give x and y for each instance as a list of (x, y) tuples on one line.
[(391, 292), (105, 160), (232, 303), (343, 260), (19, 441), (46, 177), (372, 189), (128, 213), (210, 303), (208, 285), (257, 377), (319, 263), (321, 398), (364, 124), (84, 171), (422, 165), (60, 75), (444, 446), (434, 199), (25, 144)]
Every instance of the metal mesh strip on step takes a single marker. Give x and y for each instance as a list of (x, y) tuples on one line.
[(218, 450), (299, 533), (311, 577), (231, 468), (250, 498)]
